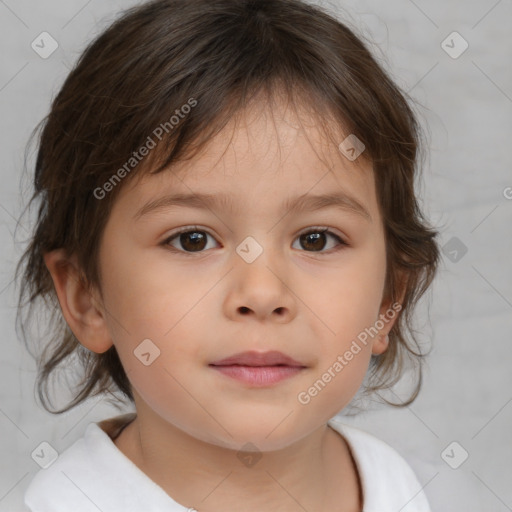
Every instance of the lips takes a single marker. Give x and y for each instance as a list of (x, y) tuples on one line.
[(258, 369), (253, 358)]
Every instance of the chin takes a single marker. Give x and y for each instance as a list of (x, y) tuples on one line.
[(257, 435)]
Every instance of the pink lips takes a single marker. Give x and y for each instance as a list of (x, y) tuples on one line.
[(258, 368)]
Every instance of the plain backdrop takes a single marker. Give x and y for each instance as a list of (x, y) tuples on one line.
[(464, 408)]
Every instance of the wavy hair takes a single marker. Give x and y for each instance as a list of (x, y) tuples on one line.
[(223, 53)]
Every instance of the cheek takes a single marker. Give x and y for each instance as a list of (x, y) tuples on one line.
[(348, 308), (160, 303), (144, 294), (334, 385), (347, 300), (169, 392)]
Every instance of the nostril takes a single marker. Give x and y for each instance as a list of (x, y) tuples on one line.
[(244, 309)]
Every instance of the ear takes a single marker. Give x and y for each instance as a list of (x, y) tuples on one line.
[(81, 308), (388, 315)]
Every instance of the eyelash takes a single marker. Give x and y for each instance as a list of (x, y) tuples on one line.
[(314, 229)]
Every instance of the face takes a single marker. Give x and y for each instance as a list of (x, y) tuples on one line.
[(247, 273)]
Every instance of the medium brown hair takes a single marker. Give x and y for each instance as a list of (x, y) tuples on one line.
[(221, 53)]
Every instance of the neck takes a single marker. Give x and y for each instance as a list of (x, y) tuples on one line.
[(212, 478)]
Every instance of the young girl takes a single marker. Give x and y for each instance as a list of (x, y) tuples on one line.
[(229, 224)]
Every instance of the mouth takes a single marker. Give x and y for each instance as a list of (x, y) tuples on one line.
[(258, 369)]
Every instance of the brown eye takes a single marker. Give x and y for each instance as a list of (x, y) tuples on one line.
[(316, 240), (193, 240), (313, 241)]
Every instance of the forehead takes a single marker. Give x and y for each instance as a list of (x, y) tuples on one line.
[(265, 152)]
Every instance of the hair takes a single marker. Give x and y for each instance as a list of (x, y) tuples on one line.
[(221, 54)]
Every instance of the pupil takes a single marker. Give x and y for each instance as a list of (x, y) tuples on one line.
[(311, 238), (197, 238)]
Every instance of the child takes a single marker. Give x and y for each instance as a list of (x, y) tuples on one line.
[(228, 221)]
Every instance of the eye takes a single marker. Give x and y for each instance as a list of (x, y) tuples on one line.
[(191, 240), (194, 239), (314, 240)]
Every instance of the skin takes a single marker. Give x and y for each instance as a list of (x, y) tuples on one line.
[(192, 421)]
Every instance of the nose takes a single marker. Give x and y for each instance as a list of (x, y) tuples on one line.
[(260, 290)]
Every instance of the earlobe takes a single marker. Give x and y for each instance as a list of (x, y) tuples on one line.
[(388, 316), (82, 311), (380, 344)]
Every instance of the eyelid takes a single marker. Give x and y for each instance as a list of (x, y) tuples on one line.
[(324, 229), (186, 229), (342, 242), (320, 229)]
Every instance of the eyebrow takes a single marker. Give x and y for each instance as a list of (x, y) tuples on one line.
[(306, 202)]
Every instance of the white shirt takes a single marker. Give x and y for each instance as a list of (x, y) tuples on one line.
[(94, 475)]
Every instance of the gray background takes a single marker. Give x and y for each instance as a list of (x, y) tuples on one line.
[(467, 104)]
